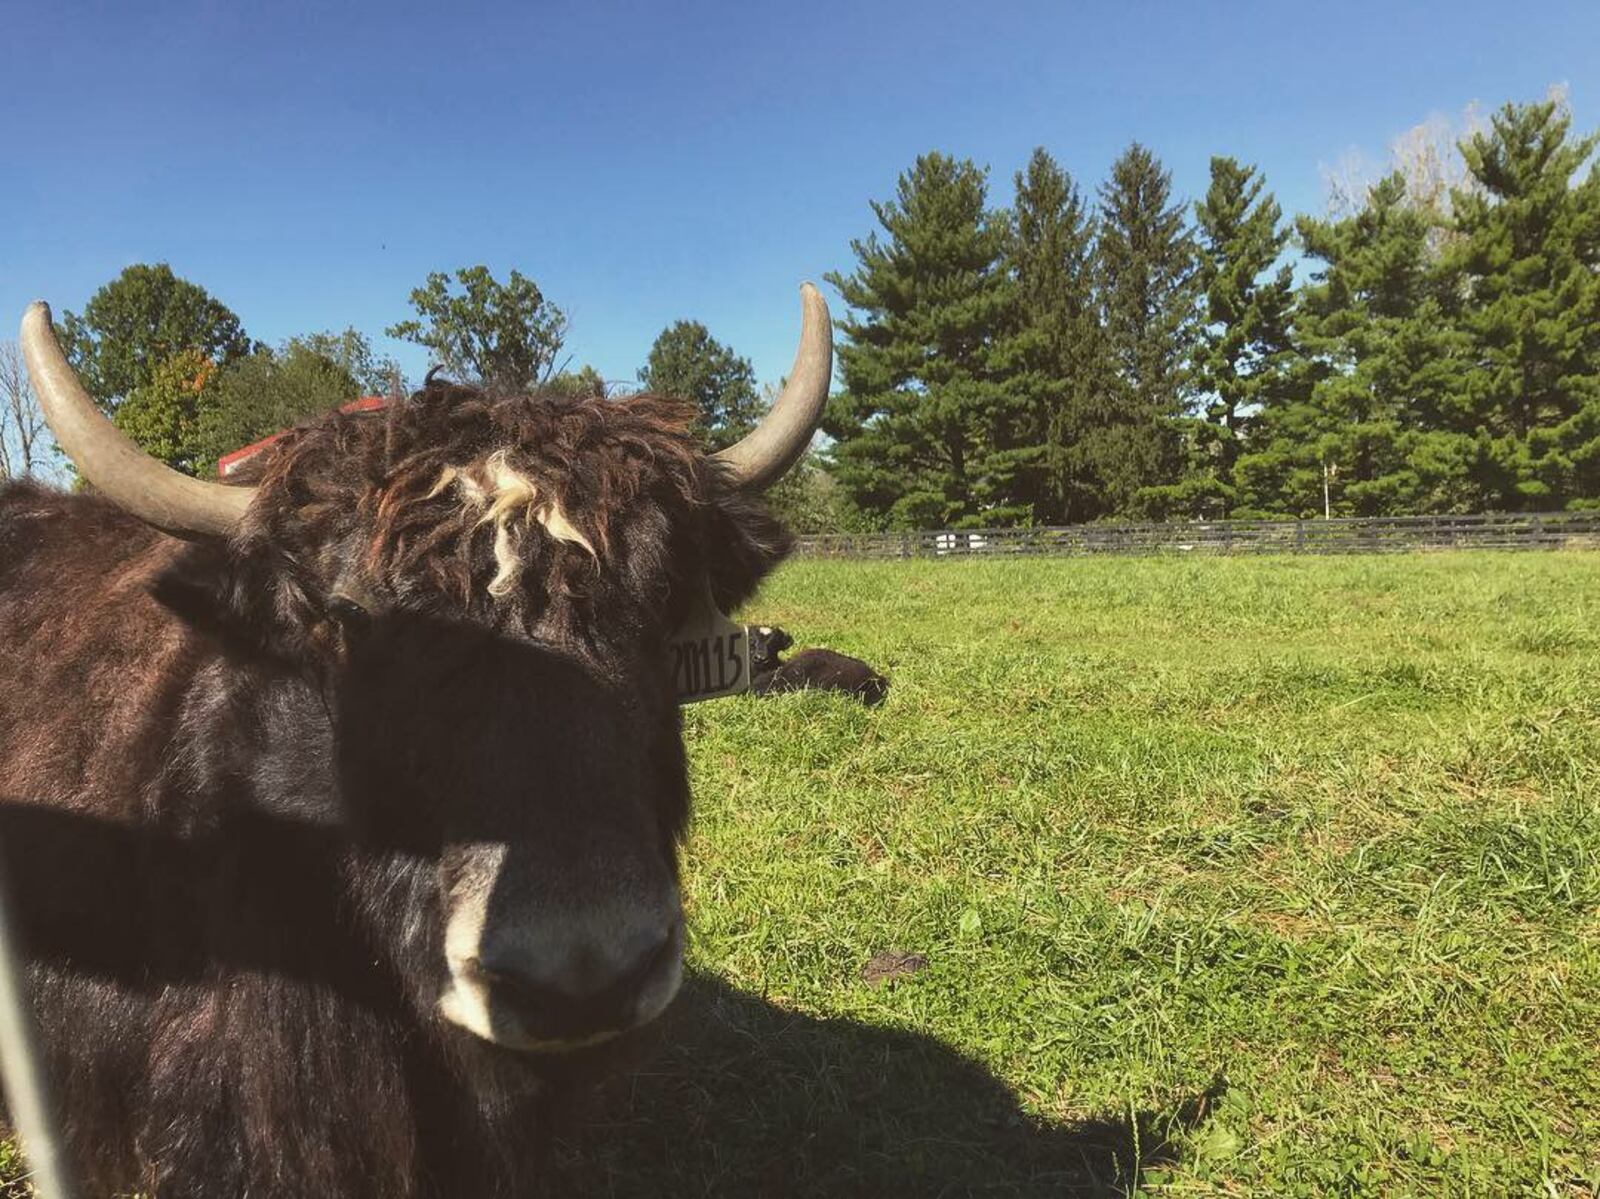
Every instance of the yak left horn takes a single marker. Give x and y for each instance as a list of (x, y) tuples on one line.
[(125, 474)]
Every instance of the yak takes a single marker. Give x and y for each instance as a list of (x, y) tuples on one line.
[(341, 805), (809, 669), (767, 644)]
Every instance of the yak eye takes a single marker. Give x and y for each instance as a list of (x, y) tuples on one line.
[(347, 613)]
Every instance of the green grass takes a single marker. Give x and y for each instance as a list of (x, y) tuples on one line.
[(1264, 877)]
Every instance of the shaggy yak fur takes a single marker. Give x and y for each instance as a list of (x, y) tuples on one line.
[(233, 775), (810, 669)]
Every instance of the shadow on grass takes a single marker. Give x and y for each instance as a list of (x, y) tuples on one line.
[(746, 1099), (741, 1097)]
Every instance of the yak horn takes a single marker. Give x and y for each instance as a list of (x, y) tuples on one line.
[(129, 477), (762, 457)]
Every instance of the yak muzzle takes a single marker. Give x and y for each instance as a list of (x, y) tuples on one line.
[(554, 978)]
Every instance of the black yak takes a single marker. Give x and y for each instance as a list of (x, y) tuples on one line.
[(341, 808), (810, 669), (767, 644)]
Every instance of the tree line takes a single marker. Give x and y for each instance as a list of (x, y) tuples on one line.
[(173, 368), (1431, 346), (1061, 361)]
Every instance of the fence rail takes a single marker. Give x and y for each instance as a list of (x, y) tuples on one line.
[(1351, 535)]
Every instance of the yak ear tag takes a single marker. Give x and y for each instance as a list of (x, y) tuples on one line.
[(710, 654)]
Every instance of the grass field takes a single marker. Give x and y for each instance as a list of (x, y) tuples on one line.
[(1268, 877), (1231, 877)]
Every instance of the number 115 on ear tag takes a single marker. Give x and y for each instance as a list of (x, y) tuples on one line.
[(710, 656)]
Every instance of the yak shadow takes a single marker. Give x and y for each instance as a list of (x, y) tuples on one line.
[(143, 906), (744, 1098), (739, 1097)]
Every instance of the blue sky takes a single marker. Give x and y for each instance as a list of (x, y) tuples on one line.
[(309, 164)]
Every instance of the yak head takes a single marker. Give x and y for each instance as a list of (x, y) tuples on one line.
[(483, 589), (766, 643)]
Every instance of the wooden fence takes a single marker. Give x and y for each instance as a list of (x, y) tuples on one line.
[(1355, 535)]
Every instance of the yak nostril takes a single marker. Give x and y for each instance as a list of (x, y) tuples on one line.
[(582, 975), (578, 991)]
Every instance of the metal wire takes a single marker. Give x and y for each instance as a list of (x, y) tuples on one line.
[(21, 1070)]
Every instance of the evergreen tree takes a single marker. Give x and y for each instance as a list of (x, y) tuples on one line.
[(1373, 413), (686, 361), (1147, 294), (1242, 354), (933, 422), (1052, 255), (1529, 244)]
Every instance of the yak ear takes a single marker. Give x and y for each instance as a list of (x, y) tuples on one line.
[(231, 594), (744, 542)]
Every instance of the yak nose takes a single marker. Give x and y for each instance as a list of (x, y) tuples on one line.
[(559, 986), (576, 991)]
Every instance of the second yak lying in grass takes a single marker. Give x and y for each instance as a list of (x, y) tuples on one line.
[(809, 669)]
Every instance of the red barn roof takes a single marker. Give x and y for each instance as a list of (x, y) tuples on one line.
[(229, 463)]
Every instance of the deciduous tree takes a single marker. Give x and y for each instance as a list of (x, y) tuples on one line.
[(583, 382), (163, 415), (144, 317), (25, 445), (267, 392), (352, 352), (505, 336)]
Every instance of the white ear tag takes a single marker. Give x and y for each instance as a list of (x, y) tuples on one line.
[(710, 655)]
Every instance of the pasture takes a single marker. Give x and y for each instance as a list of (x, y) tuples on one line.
[(1232, 877)]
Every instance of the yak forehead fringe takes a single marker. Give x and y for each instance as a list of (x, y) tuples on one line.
[(496, 489), (451, 484)]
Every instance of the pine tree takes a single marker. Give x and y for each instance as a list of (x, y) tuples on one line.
[(686, 361), (1052, 255), (1529, 244), (1147, 293), (1379, 379), (932, 423), (1243, 354)]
